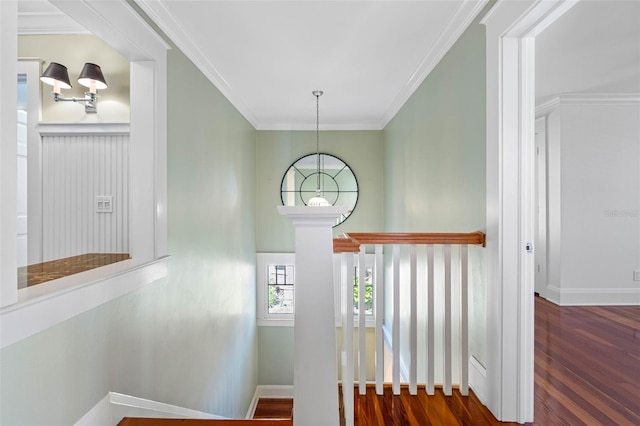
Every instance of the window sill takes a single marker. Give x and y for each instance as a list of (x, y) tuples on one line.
[(288, 322), (45, 305), (275, 322)]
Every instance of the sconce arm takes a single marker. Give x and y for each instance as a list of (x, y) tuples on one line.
[(90, 99)]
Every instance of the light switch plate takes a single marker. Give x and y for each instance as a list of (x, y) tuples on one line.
[(104, 204)]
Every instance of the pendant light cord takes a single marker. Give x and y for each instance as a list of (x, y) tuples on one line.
[(317, 94)]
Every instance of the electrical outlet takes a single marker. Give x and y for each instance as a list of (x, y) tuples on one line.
[(636, 275)]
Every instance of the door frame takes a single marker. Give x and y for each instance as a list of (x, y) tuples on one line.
[(32, 67), (540, 253), (511, 28)]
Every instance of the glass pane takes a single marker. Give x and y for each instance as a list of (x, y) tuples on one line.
[(280, 294)]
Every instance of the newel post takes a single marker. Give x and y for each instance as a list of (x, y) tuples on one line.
[(315, 374)]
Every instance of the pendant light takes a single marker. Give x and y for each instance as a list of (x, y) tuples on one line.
[(318, 200)]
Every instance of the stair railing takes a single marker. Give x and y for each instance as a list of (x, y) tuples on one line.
[(353, 248)]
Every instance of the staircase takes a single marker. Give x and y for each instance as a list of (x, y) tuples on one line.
[(268, 412)]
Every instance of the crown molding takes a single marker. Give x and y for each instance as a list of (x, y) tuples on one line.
[(133, 37), (325, 126), (46, 23), (168, 23), (603, 99), (463, 17)]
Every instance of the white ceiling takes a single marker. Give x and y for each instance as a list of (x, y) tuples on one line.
[(266, 56), (593, 48)]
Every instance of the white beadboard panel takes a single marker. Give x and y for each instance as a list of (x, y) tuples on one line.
[(77, 168)]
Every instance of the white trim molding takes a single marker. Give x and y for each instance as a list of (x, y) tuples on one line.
[(44, 306), (50, 22), (263, 260), (159, 13), (8, 153), (111, 129), (511, 27), (601, 99), (463, 17), (593, 296), (465, 14), (477, 379), (111, 409)]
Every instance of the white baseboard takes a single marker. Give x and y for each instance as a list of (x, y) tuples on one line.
[(477, 379), (593, 296), (115, 406), (268, 391), (552, 294)]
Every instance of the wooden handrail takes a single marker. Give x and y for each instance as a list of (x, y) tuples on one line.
[(351, 242)]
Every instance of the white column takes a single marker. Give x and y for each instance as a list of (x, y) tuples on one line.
[(315, 374)]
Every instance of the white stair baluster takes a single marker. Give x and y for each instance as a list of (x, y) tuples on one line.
[(413, 322), (447, 320), (464, 322), (379, 313), (430, 388), (362, 314), (395, 334)]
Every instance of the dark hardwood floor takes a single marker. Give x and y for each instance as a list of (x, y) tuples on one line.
[(420, 410), (587, 372), (273, 408), (587, 365)]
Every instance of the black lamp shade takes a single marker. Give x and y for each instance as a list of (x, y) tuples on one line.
[(56, 72), (92, 73)]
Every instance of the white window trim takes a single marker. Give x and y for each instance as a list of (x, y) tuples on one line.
[(263, 260), (27, 313)]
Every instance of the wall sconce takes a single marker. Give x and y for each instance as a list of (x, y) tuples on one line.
[(91, 76)]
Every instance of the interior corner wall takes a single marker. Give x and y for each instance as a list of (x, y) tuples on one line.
[(189, 339), (434, 170), (275, 152), (594, 204), (361, 150)]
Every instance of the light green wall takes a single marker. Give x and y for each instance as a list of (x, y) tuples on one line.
[(73, 51), (277, 150), (212, 192), (434, 168), (276, 355), (190, 339)]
